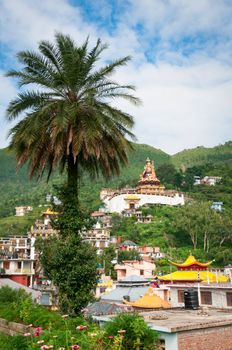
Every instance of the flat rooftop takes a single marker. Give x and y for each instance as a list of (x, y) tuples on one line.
[(176, 320)]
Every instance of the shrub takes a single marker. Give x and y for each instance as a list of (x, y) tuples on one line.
[(137, 336)]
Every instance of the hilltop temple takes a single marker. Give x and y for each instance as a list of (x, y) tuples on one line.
[(192, 271), (149, 191)]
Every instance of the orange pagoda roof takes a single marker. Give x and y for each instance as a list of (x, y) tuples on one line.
[(191, 260), (149, 301)]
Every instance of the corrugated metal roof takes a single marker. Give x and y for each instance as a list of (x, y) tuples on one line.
[(105, 308), (14, 285), (119, 293)]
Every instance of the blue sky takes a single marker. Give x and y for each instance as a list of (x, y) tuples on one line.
[(182, 59)]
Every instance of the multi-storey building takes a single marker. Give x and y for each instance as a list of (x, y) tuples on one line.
[(43, 228), (98, 237), (17, 259), (22, 210)]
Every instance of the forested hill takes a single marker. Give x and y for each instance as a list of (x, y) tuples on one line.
[(202, 155), (16, 189)]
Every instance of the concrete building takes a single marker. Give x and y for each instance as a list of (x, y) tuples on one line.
[(149, 191), (17, 259), (44, 228), (134, 267), (216, 295), (192, 330), (128, 245), (98, 237), (140, 218), (188, 329), (22, 210), (206, 180)]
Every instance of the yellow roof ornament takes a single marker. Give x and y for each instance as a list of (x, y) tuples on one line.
[(191, 260), (132, 197), (49, 212)]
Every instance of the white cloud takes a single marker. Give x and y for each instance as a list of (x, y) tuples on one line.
[(183, 107), (7, 92), (186, 98)]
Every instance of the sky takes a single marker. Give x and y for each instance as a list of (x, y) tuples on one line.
[(181, 60)]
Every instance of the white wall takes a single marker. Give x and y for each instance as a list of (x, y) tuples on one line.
[(218, 297), (119, 203)]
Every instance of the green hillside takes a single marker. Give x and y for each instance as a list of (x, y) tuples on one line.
[(17, 189), (202, 155)]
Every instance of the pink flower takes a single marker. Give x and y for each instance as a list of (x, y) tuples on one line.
[(81, 328), (110, 336), (26, 334), (44, 347), (38, 331), (93, 334), (75, 347), (30, 325), (121, 331)]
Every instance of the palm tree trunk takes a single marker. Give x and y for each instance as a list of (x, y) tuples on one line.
[(73, 175)]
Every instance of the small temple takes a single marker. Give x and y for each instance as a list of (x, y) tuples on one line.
[(149, 300), (149, 191), (148, 182), (192, 271)]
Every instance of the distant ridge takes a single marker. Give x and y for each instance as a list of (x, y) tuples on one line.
[(203, 155)]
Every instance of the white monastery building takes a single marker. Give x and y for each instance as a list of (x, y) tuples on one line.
[(149, 191)]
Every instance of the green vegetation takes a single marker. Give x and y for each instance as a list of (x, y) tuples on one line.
[(16, 189), (137, 334), (69, 121), (17, 306), (202, 155), (178, 230), (70, 263), (125, 332), (19, 225)]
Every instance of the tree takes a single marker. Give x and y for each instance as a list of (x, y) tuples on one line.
[(71, 265), (198, 221), (70, 121), (168, 175), (128, 255)]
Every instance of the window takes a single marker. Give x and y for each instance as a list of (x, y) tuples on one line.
[(229, 298), (19, 264), (6, 265), (141, 272), (180, 296), (206, 298)]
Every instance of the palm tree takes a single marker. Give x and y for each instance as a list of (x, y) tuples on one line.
[(69, 120)]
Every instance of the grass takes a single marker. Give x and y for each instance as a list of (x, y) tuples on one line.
[(19, 225)]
